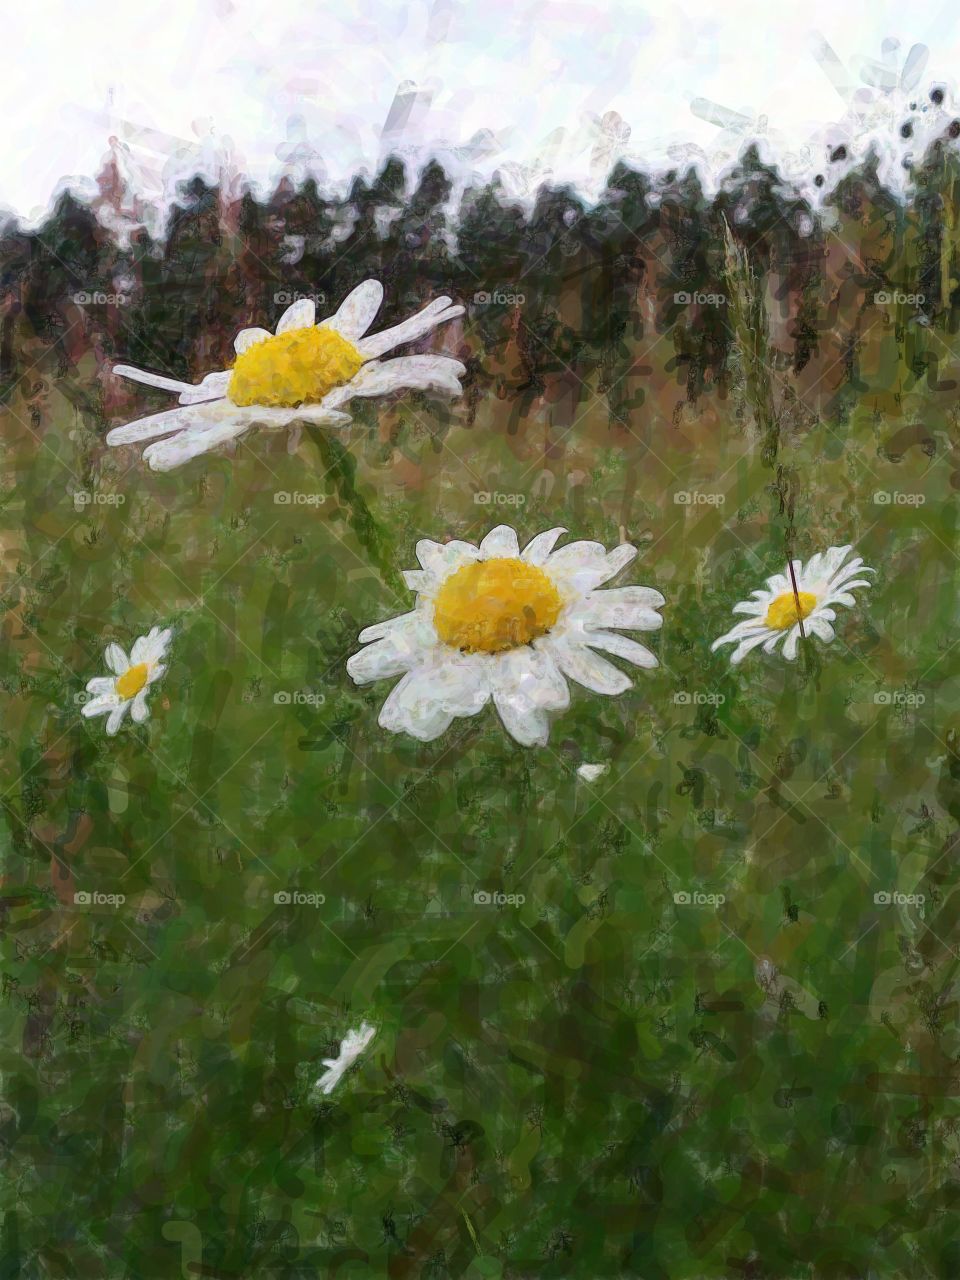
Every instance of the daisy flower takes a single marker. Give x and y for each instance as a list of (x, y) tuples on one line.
[(351, 1047), (494, 622), (777, 611), (304, 372), (127, 687)]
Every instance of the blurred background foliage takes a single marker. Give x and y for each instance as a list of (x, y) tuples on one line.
[(602, 1080)]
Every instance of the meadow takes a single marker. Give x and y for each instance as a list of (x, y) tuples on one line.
[(711, 1028)]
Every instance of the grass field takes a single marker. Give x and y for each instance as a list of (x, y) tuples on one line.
[(598, 1081)]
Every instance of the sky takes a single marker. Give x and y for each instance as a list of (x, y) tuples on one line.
[(528, 89)]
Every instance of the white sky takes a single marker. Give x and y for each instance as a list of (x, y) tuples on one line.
[(260, 84)]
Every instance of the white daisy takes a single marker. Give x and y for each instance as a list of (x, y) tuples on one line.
[(132, 677), (304, 372), (778, 610), (351, 1047), (492, 622)]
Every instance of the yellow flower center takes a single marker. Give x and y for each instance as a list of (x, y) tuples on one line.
[(132, 680), (493, 605), (783, 611), (293, 368)]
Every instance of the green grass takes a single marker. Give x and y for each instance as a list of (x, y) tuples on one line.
[(599, 1082)]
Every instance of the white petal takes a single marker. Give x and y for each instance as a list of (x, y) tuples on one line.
[(247, 337), (790, 647), (580, 664), (299, 315), (580, 567), (426, 700), (213, 387), (157, 424), (406, 373), (527, 684), (527, 724), (500, 543), (380, 629), (258, 415), (621, 647), (411, 709), (151, 379), (748, 643), (538, 549), (100, 685), (395, 647), (752, 627), (167, 454), (99, 706), (442, 558), (356, 313), (630, 607), (757, 608), (819, 626), (139, 710), (115, 719), (156, 671), (435, 313), (116, 659)]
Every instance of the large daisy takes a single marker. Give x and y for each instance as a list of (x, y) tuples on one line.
[(804, 599), (304, 372), (494, 622), (126, 689)]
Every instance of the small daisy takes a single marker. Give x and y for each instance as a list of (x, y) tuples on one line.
[(492, 622), (132, 677), (304, 372), (778, 611), (351, 1047)]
